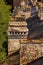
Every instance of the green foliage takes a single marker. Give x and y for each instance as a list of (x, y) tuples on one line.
[(4, 19), (3, 56)]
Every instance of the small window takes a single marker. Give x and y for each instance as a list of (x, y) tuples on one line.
[(24, 32), (18, 32), (21, 32), (11, 32), (15, 32)]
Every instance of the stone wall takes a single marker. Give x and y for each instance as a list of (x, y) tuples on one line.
[(30, 52)]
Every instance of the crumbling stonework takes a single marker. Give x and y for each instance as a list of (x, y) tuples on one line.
[(23, 29), (30, 52)]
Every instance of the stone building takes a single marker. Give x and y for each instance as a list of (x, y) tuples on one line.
[(18, 33)]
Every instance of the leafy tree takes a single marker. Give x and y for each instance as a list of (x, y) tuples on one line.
[(4, 19)]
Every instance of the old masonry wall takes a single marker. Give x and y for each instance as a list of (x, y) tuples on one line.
[(30, 52)]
